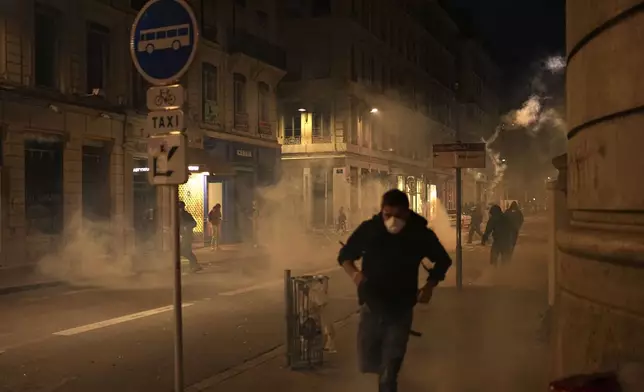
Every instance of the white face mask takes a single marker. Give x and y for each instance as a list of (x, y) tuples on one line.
[(394, 225)]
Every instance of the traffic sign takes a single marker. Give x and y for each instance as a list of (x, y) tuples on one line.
[(459, 155), (167, 159), (164, 40), (165, 121), (165, 97)]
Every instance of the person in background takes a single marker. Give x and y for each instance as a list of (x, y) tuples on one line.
[(187, 223), (499, 227), (342, 220), (214, 218), (475, 223), (392, 245), (515, 216)]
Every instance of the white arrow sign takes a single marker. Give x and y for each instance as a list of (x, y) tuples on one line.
[(165, 121), (167, 159)]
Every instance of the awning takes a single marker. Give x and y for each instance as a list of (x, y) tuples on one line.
[(200, 161)]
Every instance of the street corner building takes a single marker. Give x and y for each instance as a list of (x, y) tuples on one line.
[(370, 87), (73, 126), (599, 274)]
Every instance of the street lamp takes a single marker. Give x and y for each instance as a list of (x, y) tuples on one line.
[(374, 110), (301, 110)]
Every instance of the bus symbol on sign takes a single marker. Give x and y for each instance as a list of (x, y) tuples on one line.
[(163, 42), (171, 37)]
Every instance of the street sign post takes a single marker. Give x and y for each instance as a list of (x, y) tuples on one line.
[(165, 97), (163, 44), (167, 159), (164, 40), (458, 156), (165, 121)]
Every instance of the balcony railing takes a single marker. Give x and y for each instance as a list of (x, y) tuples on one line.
[(292, 140), (241, 121), (256, 47)]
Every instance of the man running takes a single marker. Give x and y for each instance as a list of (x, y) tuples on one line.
[(392, 245)]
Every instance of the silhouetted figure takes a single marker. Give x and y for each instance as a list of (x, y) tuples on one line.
[(475, 223), (342, 220), (500, 228), (187, 223), (214, 218), (515, 216)]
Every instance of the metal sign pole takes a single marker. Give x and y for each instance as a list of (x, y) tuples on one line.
[(176, 260), (459, 242)]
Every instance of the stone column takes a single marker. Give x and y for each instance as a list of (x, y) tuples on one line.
[(600, 293)]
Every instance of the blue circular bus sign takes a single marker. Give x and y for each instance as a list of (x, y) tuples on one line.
[(163, 42)]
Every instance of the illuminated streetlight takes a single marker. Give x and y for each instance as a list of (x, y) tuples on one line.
[(374, 110), (301, 110)]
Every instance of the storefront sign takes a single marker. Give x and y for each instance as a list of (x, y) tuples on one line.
[(244, 153)]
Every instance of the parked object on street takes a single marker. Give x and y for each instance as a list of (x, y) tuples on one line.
[(309, 332)]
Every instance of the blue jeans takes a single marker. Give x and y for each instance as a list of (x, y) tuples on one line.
[(382, 344)]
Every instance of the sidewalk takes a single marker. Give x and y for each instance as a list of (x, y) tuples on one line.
[(484, 339), (27, 278)]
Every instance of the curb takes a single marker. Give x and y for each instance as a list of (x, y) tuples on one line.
[(254, 362), (29, 287)]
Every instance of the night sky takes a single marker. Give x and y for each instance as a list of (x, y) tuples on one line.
[(518, 33)]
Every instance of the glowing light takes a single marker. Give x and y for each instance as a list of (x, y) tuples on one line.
[(193, 168), (301, 110), (140, 169), (374, 110)]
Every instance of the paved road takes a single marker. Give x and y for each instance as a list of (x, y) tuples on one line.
[(119, 336)]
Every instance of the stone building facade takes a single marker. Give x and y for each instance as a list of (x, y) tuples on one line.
[(600, 273), (72, 116), (371, 85)]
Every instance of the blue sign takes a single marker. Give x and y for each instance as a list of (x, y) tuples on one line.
[(164, 40)]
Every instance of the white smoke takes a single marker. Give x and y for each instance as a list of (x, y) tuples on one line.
[(531, 117)]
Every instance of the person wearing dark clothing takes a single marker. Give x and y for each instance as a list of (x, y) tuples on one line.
[(515, 216), (214, 218), (392, 245), (475, 223), (500, 228), (187, 223)]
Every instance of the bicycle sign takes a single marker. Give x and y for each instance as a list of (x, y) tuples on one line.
[(165, 97)]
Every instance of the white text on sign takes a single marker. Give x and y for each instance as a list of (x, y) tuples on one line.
[(165, 121)]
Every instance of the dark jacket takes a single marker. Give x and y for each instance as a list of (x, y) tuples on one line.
[(477, 217), (515, 216), (187, 223), (499, 227), (390, 262)]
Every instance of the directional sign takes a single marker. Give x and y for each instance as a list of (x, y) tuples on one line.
[(164, 40), (167, 159), (463, 155), (165, 121), (165, 97)]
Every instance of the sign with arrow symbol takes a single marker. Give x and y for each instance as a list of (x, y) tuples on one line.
[(167, 159)]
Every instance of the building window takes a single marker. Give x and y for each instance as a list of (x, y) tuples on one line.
[(97, 50), (320, 128), (264, 101), (239, 102), (46, 47), (44, 186), (96, 183), (293, 127), (210, 112), (209, 20), (321, 8)]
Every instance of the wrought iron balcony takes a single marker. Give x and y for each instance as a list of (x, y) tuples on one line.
[(256, 47)]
